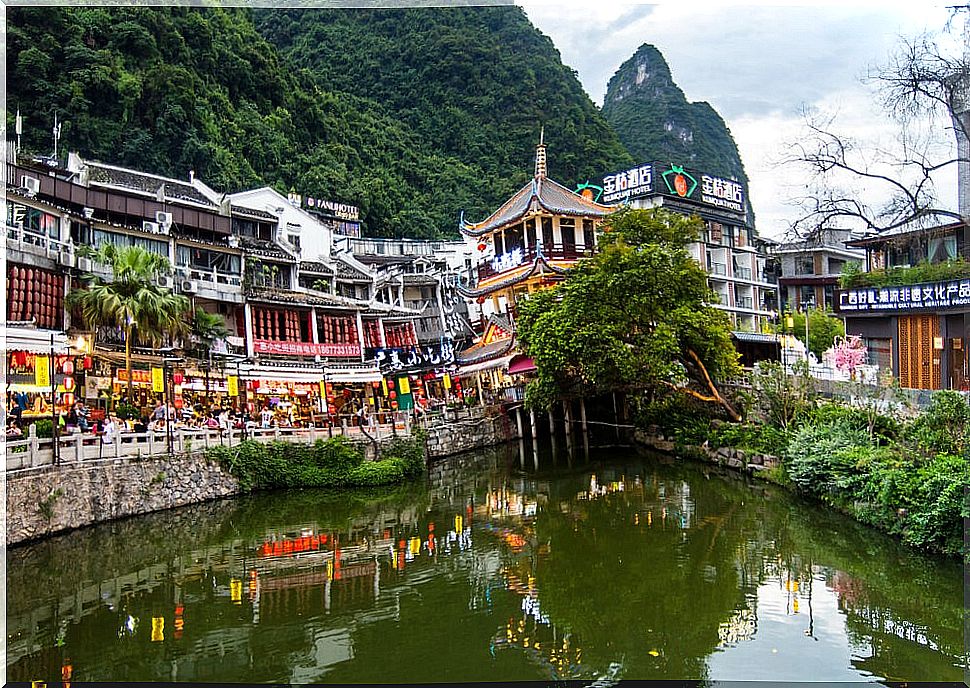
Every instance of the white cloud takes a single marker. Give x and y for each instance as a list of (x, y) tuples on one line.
[(760, 66)]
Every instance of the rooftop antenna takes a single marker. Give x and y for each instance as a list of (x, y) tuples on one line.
[(19, 128), (57, 134)]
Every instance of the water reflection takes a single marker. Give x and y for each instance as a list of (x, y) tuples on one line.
[(620, 568)]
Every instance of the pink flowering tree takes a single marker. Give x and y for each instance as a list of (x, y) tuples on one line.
[(848, 353)]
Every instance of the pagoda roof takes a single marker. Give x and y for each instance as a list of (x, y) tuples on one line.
[(516, 277), (539, 193)]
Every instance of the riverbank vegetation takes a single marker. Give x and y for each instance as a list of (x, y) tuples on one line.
[(874, 458), (334, 462)]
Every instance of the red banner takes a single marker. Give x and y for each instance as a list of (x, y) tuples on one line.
[(265, 346)]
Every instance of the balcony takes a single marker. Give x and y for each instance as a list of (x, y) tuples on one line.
[(550, 251), (742, 273), (717, 268), (212, 284), (744, 302), (22, 243)]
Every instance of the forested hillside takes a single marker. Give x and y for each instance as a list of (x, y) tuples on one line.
[(411, 114), (655, 121)]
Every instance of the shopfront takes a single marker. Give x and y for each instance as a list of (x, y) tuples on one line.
[(921, 330), (38, 384)]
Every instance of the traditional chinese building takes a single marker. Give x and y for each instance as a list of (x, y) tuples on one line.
[(528, 244), (916, 328)]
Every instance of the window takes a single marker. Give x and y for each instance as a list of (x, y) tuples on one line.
[(530, 232), (122, 240), (880, 352), (835, 266), (294, 239), (589, 240), (547, 231), (567, 230), (716, 232), (942, 249), (33, 220), (804, 265), (201, 258), (252, 228)]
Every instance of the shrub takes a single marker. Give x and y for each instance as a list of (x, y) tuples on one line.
[(45, 427), (760, 438), (884, 427), (944, 428), (377, 473), (127, 412), (819, 457)]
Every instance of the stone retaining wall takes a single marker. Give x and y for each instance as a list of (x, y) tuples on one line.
[(54, 499), (728, 457), (463, 436)]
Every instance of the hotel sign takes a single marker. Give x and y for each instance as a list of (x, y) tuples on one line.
[(341, 210), (671, 180), (637, 181), (267, 346), (917, 297)]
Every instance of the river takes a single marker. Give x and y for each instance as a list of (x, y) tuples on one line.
[(621, 566)]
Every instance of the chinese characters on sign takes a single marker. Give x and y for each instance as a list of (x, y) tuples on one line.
[(410, 358), (722, 193), (937, 295), (507, 261), (265, 346), (633, 182)]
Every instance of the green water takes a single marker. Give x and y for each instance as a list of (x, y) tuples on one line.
[(620, 567)]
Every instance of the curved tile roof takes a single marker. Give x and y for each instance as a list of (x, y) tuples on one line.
[(547, 194)]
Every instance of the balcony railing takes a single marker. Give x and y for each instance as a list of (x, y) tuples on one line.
[(744, 302), (742, 273), (212, 276), (550, 251), (717, 269), (17, 236)]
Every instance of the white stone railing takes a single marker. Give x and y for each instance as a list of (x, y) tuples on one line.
[(74, 448)]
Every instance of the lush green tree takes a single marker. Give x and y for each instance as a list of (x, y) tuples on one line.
[(131, 299), (634, 318), (823, 328), (207, 328)]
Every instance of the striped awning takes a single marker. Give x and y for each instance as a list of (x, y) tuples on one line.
[(33, 340)]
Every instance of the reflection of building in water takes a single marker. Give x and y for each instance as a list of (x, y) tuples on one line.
[(742, 625)]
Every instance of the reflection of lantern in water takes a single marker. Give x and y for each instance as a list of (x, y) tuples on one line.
[(158, 629), (235, 591)]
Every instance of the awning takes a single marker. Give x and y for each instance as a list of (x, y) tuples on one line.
[(521, 363), (308, 375), (353, 375), (33, 340), (485, 365)]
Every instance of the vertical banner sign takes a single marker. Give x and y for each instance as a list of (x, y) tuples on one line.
[(384, 385), (42, 371), (232, 385), (404, 385), (158, 380), (446, 380), (323, 389), (404, 397)]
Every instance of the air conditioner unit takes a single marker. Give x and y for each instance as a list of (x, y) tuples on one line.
[(84, 264), (190, 286), (66, 258), (233, 242), (32, 184), (150, 227), (165, 281), (163, 218), (88, 213)]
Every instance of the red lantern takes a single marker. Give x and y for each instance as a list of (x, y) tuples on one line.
[(68, 368), (68, 383), (375, 384), (480, 300), (68, 399), (390, 383), (88, 363), (482, 246), (177, 377), (393, 394), (393, 404)]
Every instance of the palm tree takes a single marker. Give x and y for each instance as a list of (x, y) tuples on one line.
[(131, 299), (207, 328)]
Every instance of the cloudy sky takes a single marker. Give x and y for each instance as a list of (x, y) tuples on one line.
[(760, 66)]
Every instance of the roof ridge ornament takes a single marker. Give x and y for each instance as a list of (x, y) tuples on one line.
[(541, 170)]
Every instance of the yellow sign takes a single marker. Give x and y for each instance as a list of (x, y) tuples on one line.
[(458, 524), (404, 385), (158, 380), (323, 388), (235, 590), (384, 385), (414, 545), (232, 385), (42, 371), (447, 381)]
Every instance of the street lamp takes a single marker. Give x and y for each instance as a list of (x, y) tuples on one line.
[(810, 303)]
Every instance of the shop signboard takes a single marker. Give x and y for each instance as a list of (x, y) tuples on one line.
[(266, 346), (932, 296), (158, 380), (42, 371), (631, 183), (232, 385), (412, 358), (672, 180), (137, 376)]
